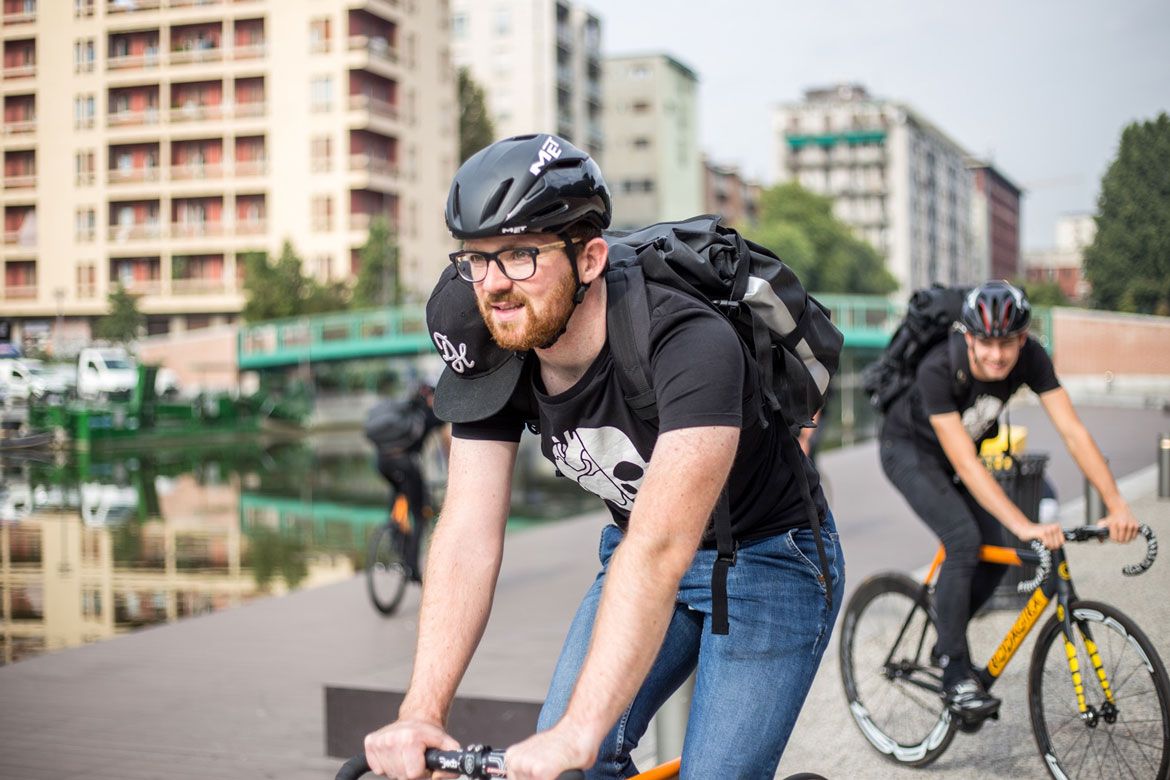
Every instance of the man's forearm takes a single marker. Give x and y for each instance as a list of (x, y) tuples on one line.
[(457, 600), (1092, 464), (990, 495)]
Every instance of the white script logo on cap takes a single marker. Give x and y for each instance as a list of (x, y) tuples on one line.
[(455, 358)]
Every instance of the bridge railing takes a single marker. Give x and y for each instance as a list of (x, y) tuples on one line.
[(400, 330)]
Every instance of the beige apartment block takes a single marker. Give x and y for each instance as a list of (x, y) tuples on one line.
[(652, 164), (156, 142), (895, 178), (539, 64)]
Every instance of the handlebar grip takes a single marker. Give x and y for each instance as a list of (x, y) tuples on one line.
[(1042, 569), (1134, 569), (479, 762), (353, 769)]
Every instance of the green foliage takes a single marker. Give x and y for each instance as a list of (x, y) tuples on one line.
[(281, 289), (1042, 293), (378, 282), (1129, 262), (272, 552), (475, 125), (800, 228), (124, 321)]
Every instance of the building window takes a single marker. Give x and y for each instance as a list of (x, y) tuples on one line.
[(640, 107), (641, 143), (321, 94), (459, 26), (321, 153), (84, 110), (322, 213), (83, 55), (84, 167), (82, 9), (319, 35), (86, 280), (85, 224), (503, 21)]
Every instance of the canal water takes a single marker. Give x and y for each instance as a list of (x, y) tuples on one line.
[(95, 545)]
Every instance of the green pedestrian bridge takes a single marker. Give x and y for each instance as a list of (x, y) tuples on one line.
[(867, 322)]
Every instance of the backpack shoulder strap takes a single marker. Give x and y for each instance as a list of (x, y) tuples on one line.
[(957, 354), (627, 319)]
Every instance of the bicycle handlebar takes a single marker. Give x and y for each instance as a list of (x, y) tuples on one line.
[(1083, 534), (478, 762)]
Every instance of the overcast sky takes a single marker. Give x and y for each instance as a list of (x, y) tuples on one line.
[(1042, 88)]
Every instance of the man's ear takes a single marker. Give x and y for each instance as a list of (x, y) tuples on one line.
[(1023, 338), (970, 340), (592, 259)]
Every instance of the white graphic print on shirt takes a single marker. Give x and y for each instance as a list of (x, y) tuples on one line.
[(603, 461), (982, 414)]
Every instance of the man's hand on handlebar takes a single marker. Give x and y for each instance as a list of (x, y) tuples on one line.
[(397, 750), (1122, 525), (1051, 535), (546, 755)]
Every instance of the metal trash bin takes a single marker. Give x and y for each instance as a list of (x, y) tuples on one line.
[(1022, 478)]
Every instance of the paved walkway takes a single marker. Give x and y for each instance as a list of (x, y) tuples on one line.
[(238, 694)]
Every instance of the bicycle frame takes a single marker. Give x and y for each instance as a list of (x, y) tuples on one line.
[(1059, 588)]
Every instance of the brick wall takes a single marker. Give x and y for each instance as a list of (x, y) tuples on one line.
[(1093, 343)]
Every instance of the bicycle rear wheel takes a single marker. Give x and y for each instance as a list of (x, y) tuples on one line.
[(386, 571), (1124, 734), (894, 694)]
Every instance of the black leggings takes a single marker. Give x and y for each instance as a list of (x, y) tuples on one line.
[(964, 583), (401, 470)]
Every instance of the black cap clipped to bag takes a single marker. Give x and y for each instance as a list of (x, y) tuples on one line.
[(479, 376)]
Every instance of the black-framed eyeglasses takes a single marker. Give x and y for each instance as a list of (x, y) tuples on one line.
[(517, 262)]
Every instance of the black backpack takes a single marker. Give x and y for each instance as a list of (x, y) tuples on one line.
[(396, 426), (784, 329), (931, 317)]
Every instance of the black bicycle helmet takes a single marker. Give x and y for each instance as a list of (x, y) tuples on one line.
[(996, 309), (527, 184)]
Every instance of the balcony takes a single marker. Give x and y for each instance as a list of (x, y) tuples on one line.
[(196, 171), (131, 6), (189, 56), (377, 47), (20, 126), (20, 238), (190, 3), (249, 51), (251, 227), (141, 286), (198, 286), (250, 109), (196, 229), (133, 175), (20, 17), (360, 221), (374, 165), (144, 61), (138, 231), (22, 71), (20, 181), (132, 118), (376, 106), (251, 167), (20, 292), (197, 112)]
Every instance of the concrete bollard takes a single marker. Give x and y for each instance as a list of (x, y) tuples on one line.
[(1164, 466)]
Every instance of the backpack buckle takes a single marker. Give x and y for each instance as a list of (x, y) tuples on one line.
[(729, 558)]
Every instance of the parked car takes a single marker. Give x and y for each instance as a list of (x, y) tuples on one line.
[(17, 380), (105, 371)]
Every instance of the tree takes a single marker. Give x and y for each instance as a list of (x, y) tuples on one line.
[(1042, 293), (475, 124), (1128, 263), (378, 282), (799, 226), (124, 321), (281, 289)]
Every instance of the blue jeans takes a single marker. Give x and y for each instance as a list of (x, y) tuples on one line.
[(750, 683)]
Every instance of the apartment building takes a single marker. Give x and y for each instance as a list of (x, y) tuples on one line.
[(154, 143), (1064, 263), (652, 160), (898, 180), (539, 64), (727, 193), (995, 222)]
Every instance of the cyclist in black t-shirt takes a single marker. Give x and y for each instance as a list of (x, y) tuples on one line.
[(519, 319), (929, 441)]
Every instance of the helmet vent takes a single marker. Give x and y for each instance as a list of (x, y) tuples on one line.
[(493, 203)]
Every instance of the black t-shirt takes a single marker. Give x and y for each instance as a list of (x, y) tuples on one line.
[(979, 404), (700, 378)]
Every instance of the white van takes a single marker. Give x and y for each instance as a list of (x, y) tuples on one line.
[(18, 381), (105, 370)]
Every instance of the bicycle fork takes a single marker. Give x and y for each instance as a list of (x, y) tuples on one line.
[(1065, 596)]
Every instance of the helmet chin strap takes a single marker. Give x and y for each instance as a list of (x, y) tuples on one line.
[(578, 293)]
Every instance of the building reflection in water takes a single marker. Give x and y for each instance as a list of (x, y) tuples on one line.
[(95, 546)]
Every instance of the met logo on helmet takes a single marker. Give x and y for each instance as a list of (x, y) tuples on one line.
[(549, 151)]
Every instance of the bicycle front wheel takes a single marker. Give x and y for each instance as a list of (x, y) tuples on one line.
[(1124, 731), (894, 694), (386, 571)]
